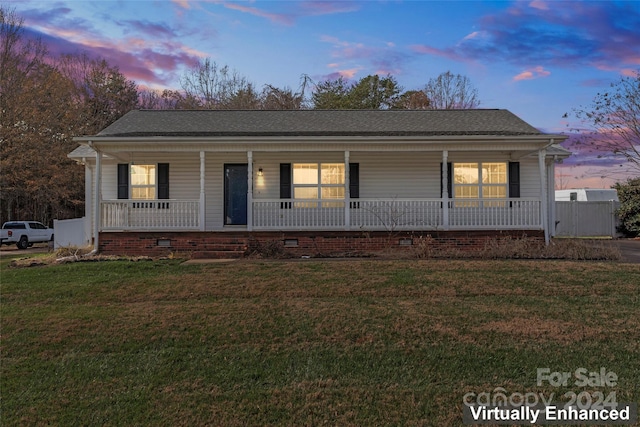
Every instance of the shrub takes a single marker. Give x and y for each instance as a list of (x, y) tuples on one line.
[(629, 211)]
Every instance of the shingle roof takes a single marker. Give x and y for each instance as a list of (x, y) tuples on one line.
[(318, 123)]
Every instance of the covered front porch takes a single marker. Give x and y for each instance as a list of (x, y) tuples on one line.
[(372, 191)]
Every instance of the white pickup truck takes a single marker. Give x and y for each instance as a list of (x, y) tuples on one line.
[(24, 233)]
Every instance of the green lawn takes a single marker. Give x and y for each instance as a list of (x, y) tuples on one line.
[(361, 342)]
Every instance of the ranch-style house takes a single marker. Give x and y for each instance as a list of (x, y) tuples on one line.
[(218, 183)]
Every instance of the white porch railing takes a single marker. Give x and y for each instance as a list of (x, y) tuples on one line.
[(150, 214), (277, 214), (364, 214), (469, 214), (396, 214)]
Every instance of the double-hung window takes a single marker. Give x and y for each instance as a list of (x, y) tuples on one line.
[(143, 182), (480, 181), (313, 181)]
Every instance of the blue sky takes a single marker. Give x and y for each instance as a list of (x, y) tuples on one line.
[(539, 59)]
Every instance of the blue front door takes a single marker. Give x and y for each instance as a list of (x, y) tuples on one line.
[(235, 194)]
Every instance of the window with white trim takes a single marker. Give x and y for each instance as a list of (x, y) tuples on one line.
[(143, 182), (480, 181), (313, 181)]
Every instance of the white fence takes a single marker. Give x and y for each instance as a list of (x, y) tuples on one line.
[(70, 232), (586, 219)]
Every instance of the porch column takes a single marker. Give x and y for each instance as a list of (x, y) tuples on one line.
[(347, 194), (551, 197), (88, 197), (445, 191), (249, 190), (202, 199), (97, 199), (543, 193)]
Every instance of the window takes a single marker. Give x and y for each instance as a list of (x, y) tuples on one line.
[(312, 181), (479, 181), (143, 182)]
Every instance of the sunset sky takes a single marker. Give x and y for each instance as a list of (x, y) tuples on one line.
[(538, 59)]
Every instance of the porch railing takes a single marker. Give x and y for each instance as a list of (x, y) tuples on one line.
[(314, 214), (150, 214), (494, 214), (307, 214), (396, 214)]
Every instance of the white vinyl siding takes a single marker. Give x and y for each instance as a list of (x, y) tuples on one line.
[(530, 178), (399, 175)]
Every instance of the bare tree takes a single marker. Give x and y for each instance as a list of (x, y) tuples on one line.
[(274, 98), (20, 59), (217, 88), (451, 92), (613, 123)]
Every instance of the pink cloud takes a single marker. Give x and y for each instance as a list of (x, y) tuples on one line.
[(539, 4), (586, 176), (628, 72), (182, 3), (532, 73), (273, 17), (146, 62), (383, 59), (346, 74), (448, 53)]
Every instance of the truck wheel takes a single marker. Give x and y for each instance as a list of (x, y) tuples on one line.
[(23, 243)]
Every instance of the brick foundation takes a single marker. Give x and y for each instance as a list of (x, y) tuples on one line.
[(295, 243)]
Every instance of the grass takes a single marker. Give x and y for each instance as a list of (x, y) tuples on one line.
[(304, 343)]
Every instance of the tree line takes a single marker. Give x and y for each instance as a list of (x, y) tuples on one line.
[(213, 87)]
